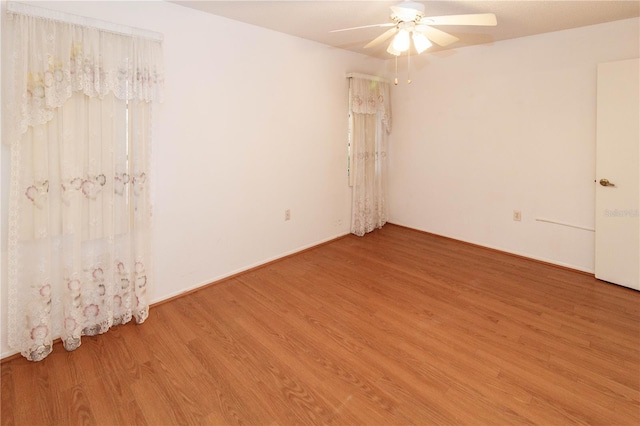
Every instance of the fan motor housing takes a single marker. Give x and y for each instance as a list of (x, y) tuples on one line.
[(407, 11)]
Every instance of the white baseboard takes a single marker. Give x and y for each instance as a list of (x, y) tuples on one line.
[(245, 268), (504, 250)]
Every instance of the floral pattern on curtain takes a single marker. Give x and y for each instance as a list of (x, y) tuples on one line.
[(371, 123), (80, 207)]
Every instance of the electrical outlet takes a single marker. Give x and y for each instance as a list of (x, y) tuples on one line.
[(287, 214), (517, 216)]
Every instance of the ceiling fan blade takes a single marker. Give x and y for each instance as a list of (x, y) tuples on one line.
[(484, 19), (390, 24), (382, 37), (435, 35)]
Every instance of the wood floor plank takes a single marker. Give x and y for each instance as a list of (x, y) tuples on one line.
[(306, 350), (77, 406), (397, 327), (256, 367), (107, 393), (7, 395), (157, 401), (234, 401)]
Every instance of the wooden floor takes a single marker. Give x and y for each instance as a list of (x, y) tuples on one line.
[(397, 327)]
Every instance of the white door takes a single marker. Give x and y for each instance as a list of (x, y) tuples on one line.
[(617, 239)]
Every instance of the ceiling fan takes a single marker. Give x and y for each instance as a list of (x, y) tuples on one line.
[(410, 23)]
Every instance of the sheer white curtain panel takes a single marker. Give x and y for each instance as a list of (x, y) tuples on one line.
[(80, 208), (371, 125)]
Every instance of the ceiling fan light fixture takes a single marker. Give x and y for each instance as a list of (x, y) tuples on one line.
[(401, 41), (420, 42), (393, 51)]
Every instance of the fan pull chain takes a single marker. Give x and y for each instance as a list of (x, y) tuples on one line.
[(396, 79), (409, 66)]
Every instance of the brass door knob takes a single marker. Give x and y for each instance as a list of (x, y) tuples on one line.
[(605, 182)]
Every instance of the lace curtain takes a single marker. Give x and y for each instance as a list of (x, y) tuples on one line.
[(80, 211), (371, 124)]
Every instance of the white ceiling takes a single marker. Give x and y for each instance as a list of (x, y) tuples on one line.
[(313, 19)]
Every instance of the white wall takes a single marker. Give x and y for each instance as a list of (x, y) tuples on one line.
[(254, 122), (485, 130), (4, 185)]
